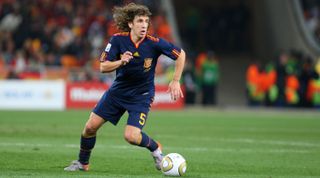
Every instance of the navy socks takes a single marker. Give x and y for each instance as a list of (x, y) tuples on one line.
[(86, 145), (148, 142)]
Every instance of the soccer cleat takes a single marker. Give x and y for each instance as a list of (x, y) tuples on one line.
[(157, 156), (77, 166)]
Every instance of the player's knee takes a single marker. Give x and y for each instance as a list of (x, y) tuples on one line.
[(89, 130), (132, 138)]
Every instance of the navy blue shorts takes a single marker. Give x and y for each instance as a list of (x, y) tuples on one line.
[(111, 109)]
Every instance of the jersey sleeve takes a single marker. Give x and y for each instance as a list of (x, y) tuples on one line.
[(169, 49), (111, 52)]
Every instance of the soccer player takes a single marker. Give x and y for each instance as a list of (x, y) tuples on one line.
[(133, 53)]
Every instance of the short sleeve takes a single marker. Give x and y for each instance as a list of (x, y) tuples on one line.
[(169, 49), (111, 51)]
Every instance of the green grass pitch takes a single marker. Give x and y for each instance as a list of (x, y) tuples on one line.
[(216, 144)]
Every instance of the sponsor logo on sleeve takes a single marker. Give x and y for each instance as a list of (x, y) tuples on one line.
[(108, 47)]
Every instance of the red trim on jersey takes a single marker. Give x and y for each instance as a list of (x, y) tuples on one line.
[(138, 43), (175, 53), (122, 34), (103, 56), (152, 38)]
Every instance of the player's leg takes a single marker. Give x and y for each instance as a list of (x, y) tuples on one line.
[(88, 137), (87, 142), (106, 109), (134, 135)]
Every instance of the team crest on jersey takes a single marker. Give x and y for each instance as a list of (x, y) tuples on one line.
[(147, 64)]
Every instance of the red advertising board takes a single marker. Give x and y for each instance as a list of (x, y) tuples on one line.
[(162, 99), (86, 95)]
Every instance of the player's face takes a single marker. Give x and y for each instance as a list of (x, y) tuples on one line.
[(139, 26)]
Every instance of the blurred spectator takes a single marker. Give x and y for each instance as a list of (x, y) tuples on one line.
[(189, 81), (313, 91), (12, 75), (281, 78), (270, 84), (255, 94), (201, 57), (291, 90), (209, 79), (19, 62), (307, 74)]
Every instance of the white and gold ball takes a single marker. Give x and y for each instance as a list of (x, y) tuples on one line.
[(173, 164)]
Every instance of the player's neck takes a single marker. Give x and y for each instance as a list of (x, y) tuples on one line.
[(136, 40)]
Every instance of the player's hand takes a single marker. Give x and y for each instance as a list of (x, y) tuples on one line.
[(175, 90), (126, 57)]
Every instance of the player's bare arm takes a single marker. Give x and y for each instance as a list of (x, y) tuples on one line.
[(174, 86), (110, 66)]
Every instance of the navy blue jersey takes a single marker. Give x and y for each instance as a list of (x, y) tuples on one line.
[(135, 80)]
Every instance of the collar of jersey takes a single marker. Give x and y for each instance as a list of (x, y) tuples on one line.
[(138, 43)]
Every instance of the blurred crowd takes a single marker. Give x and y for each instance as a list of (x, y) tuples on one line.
[(201, 79), (63, 38), (291, 80)]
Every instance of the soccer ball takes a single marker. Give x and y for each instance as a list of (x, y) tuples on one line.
[(173, 164)]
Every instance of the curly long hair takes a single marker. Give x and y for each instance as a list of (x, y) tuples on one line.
[(123, 15)]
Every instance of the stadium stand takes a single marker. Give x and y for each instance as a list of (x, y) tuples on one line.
[(53, 38), (62, 39)]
